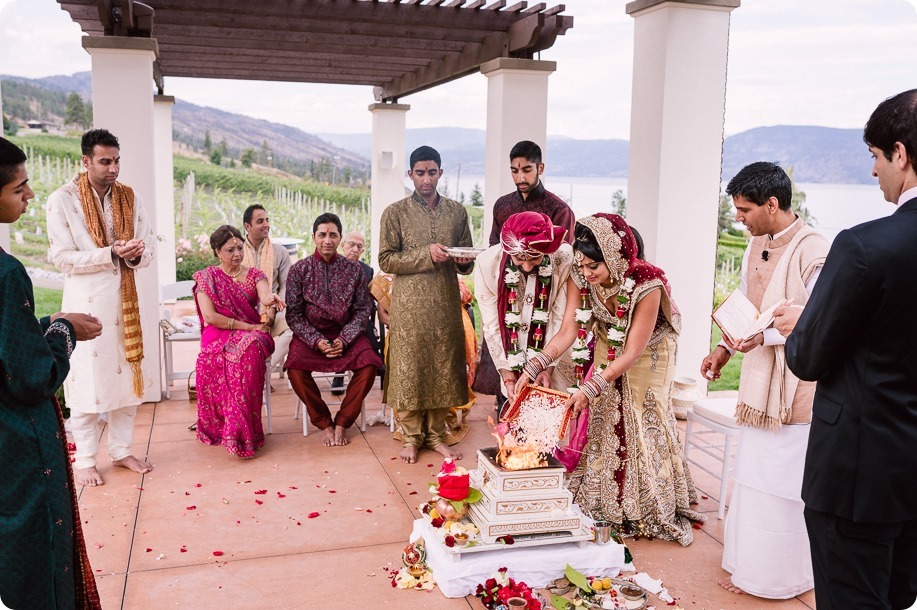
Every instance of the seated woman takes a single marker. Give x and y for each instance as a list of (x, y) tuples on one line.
[(632, 471), (235, 341)]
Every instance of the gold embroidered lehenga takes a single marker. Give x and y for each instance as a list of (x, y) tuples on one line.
[(632, 471)]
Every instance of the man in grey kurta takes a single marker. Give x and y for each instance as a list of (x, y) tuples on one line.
[(426, 359)]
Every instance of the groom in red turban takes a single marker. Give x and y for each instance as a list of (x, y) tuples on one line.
[(521, 287)]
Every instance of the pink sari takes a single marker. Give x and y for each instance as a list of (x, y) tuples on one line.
[(231, 365)]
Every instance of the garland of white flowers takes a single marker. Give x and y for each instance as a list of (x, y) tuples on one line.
[(516, 358), (617, 331)]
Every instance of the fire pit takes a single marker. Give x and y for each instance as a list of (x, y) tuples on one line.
[(521, 502)]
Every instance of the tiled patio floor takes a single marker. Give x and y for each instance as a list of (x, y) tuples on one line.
[(152, 539)]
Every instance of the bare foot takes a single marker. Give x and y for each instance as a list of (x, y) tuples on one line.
[(409, 454), (328, 437), (87, 476), (340, 436), (726, 583), (444, 450), (132, 463)]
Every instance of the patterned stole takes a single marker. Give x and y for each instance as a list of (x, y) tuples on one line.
[(265, 257), (122, 201)]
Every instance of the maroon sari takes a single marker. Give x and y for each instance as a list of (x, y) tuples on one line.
[(231, 365)]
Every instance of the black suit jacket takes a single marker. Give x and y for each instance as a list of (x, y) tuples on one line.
[(857, 337)]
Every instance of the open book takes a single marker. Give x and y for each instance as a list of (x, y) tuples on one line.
[(740, 320)]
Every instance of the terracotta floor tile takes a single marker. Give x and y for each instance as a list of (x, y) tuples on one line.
[(111, 588), (340, 578)]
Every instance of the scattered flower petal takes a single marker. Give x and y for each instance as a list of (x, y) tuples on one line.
[(183, 549), (313, 515), (261, 492), (259, 502), (413, 493), (280, 495), (217, 553), (197, 485), (148, 549), (331, 491), (98, 545), (192, 507), (293, 487)]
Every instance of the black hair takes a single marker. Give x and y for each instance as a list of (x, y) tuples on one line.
[(325, 219), (222, 235), (11, 157), (426, 153), (641, 253), (527, 149), (97, 137), (250, 211), (586, 243), (760, 181), (894, 120)]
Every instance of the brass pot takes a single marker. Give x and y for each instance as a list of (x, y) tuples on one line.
[(447, 511)]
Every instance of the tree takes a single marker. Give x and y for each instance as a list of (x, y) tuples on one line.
[(9, 127), (798, 202), (247, 157), (619, 203), (266, 155), (75, 113), (215, 157), (224, 148), (477, 199), (208, 143), (87, 115)]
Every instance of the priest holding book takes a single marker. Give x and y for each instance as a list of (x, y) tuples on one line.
[(765, 547)]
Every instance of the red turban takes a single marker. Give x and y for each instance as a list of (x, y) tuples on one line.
[(530, 234)]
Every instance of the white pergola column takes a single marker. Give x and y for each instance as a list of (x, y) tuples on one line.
[(517, 109), (388, 165), (676, 150), (165, 190), (122, 102)]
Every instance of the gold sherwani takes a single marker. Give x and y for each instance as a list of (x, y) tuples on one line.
[(426, 357)]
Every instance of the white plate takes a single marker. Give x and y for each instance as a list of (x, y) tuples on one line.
[(464, 252)]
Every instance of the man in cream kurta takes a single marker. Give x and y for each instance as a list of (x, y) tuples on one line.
[(100, 378), (527, 239), (274, 260), (765, 546)]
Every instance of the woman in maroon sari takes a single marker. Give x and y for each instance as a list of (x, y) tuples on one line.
[(235, 342)]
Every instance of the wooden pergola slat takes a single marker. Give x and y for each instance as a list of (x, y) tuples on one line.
[(397, 46)]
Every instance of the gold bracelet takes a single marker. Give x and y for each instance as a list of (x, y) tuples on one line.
[(231, 322)]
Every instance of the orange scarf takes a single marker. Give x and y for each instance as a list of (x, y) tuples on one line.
[(122, 201)]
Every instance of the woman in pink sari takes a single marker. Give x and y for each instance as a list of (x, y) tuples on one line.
[(235, 341)]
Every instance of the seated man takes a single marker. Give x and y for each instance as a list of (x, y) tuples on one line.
[(352, 247), (328, 304)]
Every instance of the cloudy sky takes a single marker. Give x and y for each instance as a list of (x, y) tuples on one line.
[(791, 62)]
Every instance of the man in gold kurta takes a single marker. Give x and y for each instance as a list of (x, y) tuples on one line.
[(426, 359)]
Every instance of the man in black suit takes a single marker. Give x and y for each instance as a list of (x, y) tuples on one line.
[(857, 338)]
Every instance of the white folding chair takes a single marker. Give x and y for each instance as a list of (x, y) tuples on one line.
[(716, 417), (328, 378), (171, 333)]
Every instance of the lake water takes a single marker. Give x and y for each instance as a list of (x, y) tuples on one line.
[(834, 206)]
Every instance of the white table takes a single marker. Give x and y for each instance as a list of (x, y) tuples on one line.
[(535, 566)]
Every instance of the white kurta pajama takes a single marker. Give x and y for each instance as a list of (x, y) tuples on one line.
[(487, 274), (765, 543), (100, 379)]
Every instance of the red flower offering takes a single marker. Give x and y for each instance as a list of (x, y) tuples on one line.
[(454, 483)]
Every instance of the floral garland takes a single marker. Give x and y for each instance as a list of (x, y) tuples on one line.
[(616, 333), (513, 318)]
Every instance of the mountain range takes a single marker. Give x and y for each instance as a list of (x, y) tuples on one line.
[(816, 154)]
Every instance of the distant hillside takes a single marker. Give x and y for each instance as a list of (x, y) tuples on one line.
[(291, 149), (817, 154)]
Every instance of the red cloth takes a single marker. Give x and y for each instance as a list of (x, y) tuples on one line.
[(454, 487), (531, 234)]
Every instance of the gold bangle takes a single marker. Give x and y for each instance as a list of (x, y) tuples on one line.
[(231, 322)]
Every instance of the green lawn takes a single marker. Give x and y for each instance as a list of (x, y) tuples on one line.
[(729, 378), (47, 301)]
